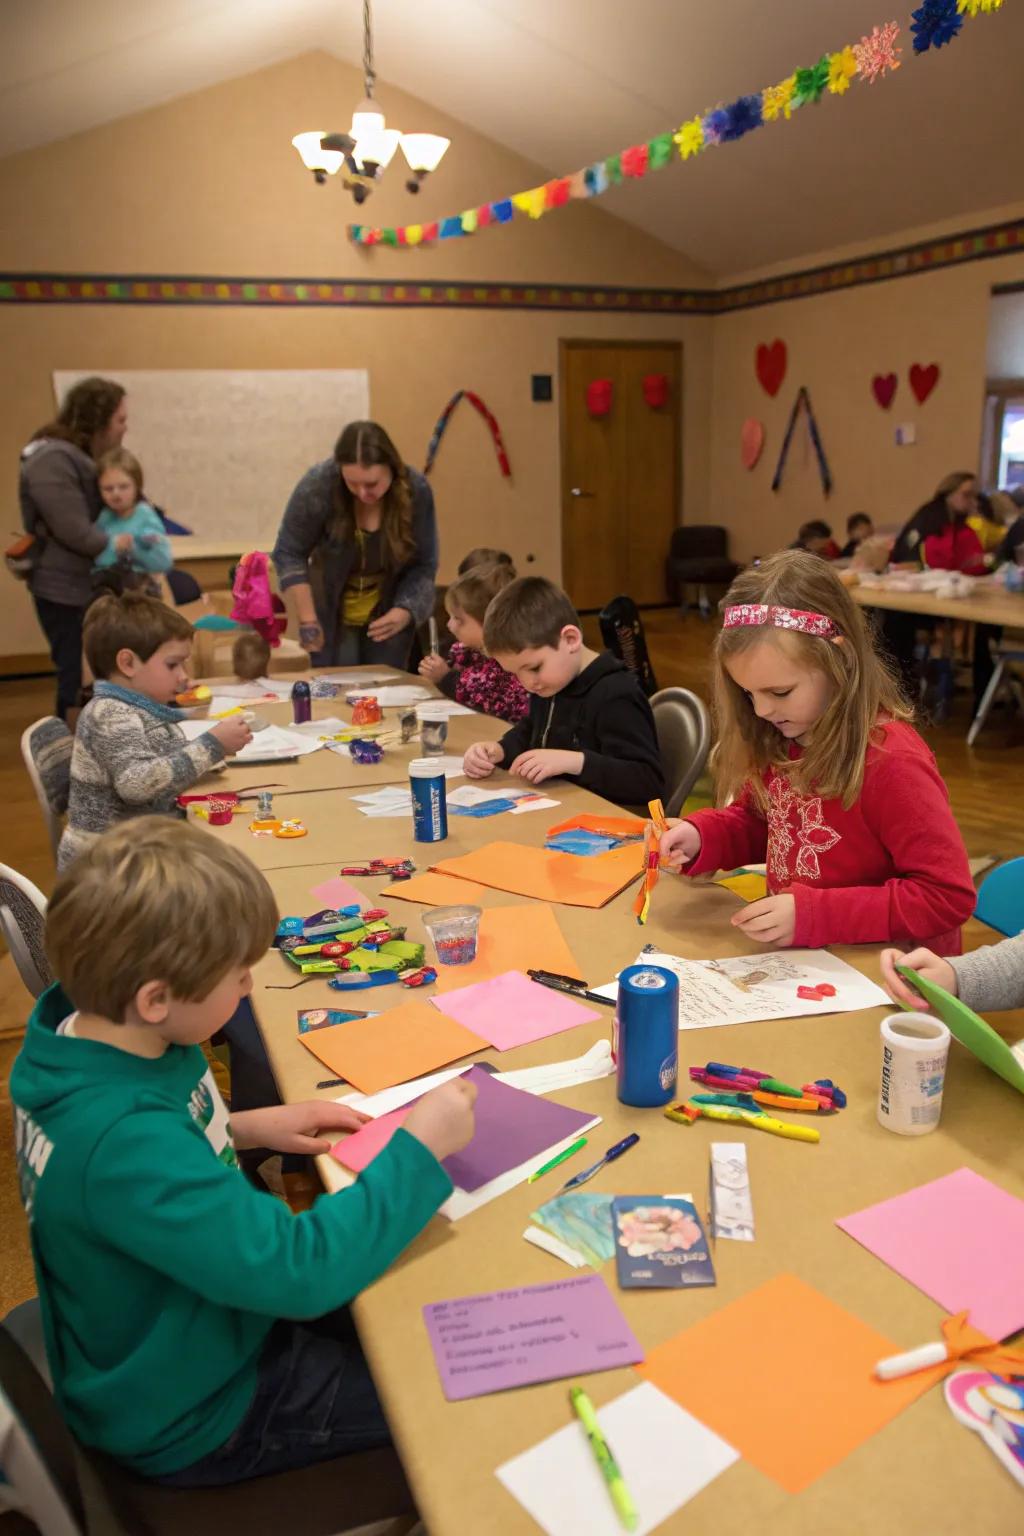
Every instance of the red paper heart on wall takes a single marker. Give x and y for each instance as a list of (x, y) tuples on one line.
[(923, 380), (883, 387), (770, 363), (751, 442)]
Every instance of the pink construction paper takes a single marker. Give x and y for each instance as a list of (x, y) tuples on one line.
[(510, 1010), (960, 1239), (338, 893), (355, 1151), (510, 1338)]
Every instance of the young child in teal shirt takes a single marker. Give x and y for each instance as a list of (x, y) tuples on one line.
[(119, 478), (196, 1330)]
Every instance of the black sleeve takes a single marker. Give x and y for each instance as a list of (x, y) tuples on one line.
[(626, 765)]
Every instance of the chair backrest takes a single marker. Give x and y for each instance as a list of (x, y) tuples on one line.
[(184, 587), (699, 541), (1001, 898), (23, 921), (622, 631), (36, 1451), (684, 740), (46, 749)]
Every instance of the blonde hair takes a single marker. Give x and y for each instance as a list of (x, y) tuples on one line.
[(120, 458), (155, 900), (952, 483), (129, 622), (472, 593), (250, 655), (864, 691)]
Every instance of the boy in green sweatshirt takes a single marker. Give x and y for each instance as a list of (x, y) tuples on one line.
[(196, 1330)]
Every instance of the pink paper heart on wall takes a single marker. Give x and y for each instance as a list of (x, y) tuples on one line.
[(923, 380), (751, 442), (883, 387), (770, 365)]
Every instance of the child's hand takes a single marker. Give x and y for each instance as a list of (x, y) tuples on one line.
[(930, 966), (481, 759), (679, 845), (433, 668), (307, 1128), (443, 1119), (232, 733), (542, 763), (123, 543), (769, 921)]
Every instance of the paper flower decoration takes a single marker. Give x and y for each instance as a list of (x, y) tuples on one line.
[(470, 219), (741, 117), (596, 179), (972, 7), (690, 138), (613, 169), (810, 83), (556, 193), (659, 151), (935, 23), (777, 100), (715, 124), (532, 202), (842, 67), (877, 53), (634, 160)]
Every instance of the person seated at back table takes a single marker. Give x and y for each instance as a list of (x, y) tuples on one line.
[(816, 538), (468, 675), (589, 718), (858, 528)]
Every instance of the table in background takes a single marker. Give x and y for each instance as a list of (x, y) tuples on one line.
[(209, 562), (988, 603), (920, 1473)]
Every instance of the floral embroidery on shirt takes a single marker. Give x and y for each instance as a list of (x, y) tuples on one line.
[(486, 686), (812, 836)]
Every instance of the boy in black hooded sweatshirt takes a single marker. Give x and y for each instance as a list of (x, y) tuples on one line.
[(588, 716)]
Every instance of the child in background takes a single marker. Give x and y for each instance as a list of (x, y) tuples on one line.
[(119, 478), (832, 787), (483, 556), (197, 1330), (250, 656), (858, 528), (468, 676), (131, 757), (816, 538), (986, 980), (588, 715), (988, 521)]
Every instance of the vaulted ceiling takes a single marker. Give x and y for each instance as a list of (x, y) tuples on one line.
[(565, 82)]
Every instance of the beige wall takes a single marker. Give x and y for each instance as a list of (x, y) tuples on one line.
[(836, 344), (169, 191)]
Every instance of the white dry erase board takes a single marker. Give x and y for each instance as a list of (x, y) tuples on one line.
[(221, 450)]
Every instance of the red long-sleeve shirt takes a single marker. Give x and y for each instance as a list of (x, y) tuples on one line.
[(892, 869), (956, 548)]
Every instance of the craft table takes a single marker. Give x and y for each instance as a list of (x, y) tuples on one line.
[(923, 1472), (989, 603)]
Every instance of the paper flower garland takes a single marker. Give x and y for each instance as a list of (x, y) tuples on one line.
[(934, 24)]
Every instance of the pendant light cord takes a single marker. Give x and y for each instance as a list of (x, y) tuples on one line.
[(369, 73)]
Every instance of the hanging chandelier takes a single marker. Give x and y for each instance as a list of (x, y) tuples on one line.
[(364, 153)]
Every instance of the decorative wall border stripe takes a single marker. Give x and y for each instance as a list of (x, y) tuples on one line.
[(330, 293)]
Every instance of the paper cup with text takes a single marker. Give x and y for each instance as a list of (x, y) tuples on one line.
[(915, 1049)]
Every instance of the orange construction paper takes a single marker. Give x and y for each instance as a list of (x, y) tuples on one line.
[(617, 826), (435, 890), (786, 1376), (392, 1047), (549, 876), (513, 939)]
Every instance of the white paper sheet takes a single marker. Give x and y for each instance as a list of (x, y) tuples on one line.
[(748, 988), (274, 743), (400, 696), (448, 707), (353, 680), (665, 1454)]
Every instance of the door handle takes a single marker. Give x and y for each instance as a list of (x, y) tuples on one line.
[(577, 492)]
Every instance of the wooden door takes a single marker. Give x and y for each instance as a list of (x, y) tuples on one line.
[(620, 472)]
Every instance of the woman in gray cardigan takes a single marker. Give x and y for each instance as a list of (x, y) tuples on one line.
[(358, 548), (60, 503)]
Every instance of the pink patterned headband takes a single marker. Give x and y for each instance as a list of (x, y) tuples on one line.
[(758, 614)]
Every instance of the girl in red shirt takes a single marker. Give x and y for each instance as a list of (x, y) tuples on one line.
[(828, 782)]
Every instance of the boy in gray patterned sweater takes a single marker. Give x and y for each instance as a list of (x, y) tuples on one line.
[(986, 980), (131, 757)]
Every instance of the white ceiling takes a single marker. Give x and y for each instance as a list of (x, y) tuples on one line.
[(564, 82)]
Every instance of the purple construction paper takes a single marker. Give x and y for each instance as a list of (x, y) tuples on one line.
[(511, 1126), (505, 1339)]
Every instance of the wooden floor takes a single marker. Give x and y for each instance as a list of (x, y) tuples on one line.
[(984, 786)]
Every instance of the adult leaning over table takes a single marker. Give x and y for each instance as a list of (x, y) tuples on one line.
[(357, 547), (60, 502)]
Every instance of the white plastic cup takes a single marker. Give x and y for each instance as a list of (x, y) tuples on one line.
[(915, 1049)]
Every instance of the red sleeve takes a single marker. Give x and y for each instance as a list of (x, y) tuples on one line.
[(906, 805), (737, 834), (955, 549)]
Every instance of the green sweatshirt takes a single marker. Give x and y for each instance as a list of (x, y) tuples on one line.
[(160, 1269)]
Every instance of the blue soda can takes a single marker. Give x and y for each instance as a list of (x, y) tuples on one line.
[(429, 801), (302, 707), (647, 1035)]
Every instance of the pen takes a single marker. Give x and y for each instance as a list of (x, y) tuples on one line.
[(332, 1082), (558, 985), (808, 1101), (570, 981), (609, 1157), (583, 1408), (721, 1070), (432, 629), (558, 1158)]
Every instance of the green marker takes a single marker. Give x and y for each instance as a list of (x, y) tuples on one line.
[(560, 1158), (772, 1085), (583, 1408)]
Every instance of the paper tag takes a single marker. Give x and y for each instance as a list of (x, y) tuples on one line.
[(732, 1210)]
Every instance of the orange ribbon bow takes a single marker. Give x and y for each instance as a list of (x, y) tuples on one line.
[(964, 1342), (655, 827)]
